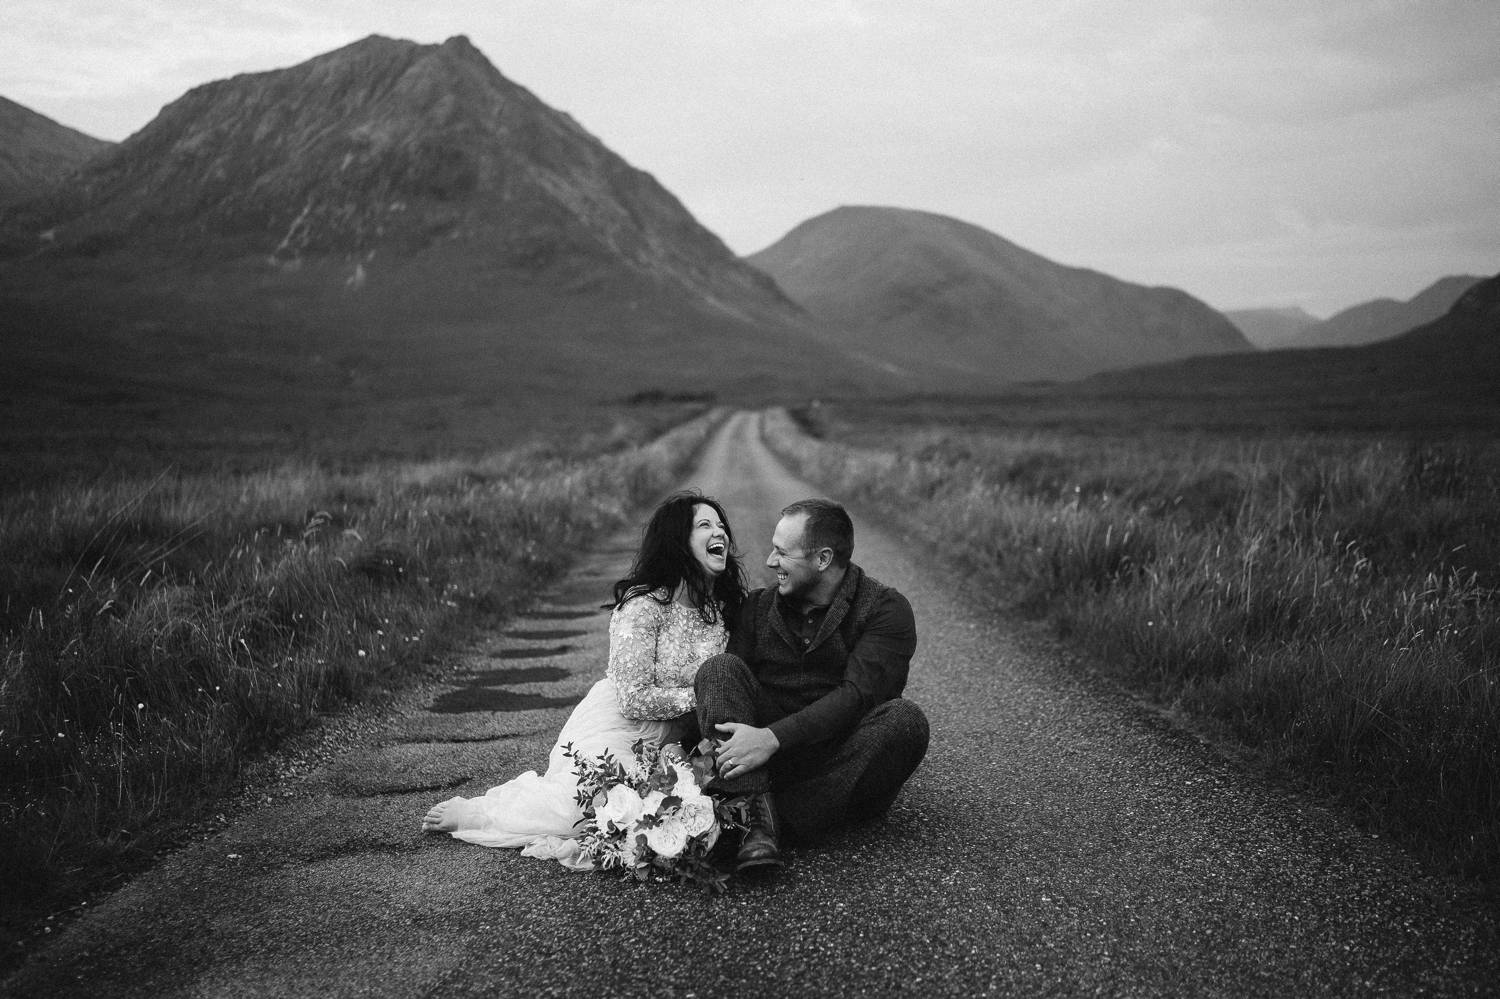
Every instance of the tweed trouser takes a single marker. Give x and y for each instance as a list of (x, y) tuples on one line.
[(819, 786)]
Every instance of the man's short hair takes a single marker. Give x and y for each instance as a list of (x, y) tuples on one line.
[(828, 526)]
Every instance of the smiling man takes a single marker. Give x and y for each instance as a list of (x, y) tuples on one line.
[(806, 703)]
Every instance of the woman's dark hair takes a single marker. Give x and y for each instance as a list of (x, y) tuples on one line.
[(664, 561)]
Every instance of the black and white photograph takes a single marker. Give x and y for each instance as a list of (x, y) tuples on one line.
[(689, 498)]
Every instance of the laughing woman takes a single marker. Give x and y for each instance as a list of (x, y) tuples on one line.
[(670, 614)]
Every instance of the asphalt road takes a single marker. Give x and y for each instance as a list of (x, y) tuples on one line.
[(1058, 840)]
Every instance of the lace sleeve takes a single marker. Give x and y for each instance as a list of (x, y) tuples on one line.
[(635, 633)]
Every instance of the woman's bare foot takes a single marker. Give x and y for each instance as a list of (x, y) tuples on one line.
[(442, 817)]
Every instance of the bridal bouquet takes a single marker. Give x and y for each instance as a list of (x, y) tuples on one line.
[(653, 818)]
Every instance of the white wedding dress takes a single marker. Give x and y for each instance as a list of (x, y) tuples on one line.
[(654, 653)]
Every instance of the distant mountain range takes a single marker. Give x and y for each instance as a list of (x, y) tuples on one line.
[(1383, 318), (434, 220), (387, 148), (1270, 328), (36, 151), (1442, 376), (930, 295), (395, 235), (1469, 330)]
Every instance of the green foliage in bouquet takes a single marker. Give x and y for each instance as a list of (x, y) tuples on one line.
[(653, 817)]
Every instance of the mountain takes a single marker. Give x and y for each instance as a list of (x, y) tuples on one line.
[(1269, 328), (35, 151), (1384, 318), (938, 298), (1468, 331), (1440, 378), (387, 222), (385, 147)]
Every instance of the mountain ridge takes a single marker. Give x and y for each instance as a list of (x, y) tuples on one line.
[(35, 151), (1269, 328), (1471, 325), (976, 304), (411, 209), (1384, 318), (400, 127), (1441, 377)]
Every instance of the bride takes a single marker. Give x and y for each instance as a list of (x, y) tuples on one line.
[(670, 614)]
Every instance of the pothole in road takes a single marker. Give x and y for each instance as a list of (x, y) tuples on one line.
[(543, 634), (457, 740), (387, 789), (517, 674), (542, 653), (490, 699)]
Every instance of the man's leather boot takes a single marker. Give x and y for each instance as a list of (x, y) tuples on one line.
[(760, 847)]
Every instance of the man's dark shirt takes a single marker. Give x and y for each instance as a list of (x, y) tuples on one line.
[(824, 668)]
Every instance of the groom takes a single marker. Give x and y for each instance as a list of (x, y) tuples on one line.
[(806, 703)]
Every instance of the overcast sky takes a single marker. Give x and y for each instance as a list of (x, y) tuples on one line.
[(1252, 152)]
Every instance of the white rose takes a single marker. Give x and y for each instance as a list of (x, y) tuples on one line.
[(696, 815), (667, 839), (651, 804), (622, 808)]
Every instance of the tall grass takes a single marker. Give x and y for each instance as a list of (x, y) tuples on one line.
[(1331, 604), (154, 634)]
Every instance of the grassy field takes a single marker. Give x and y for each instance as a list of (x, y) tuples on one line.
[(157, 633), (1325, 601), (140, 383)]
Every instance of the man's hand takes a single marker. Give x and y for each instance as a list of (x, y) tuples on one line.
[(745, 748)]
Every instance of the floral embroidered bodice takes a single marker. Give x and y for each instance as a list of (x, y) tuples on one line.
[(654, 653)]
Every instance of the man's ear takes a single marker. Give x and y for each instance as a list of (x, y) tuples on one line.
[(825, 559)]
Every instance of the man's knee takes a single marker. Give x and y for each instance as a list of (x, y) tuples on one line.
[(899, 735), (717, 672), (902, 724)]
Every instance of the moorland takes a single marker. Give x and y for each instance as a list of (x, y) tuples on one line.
[(1314, 592), (274, 434), (163, 629), (1310, 587)]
